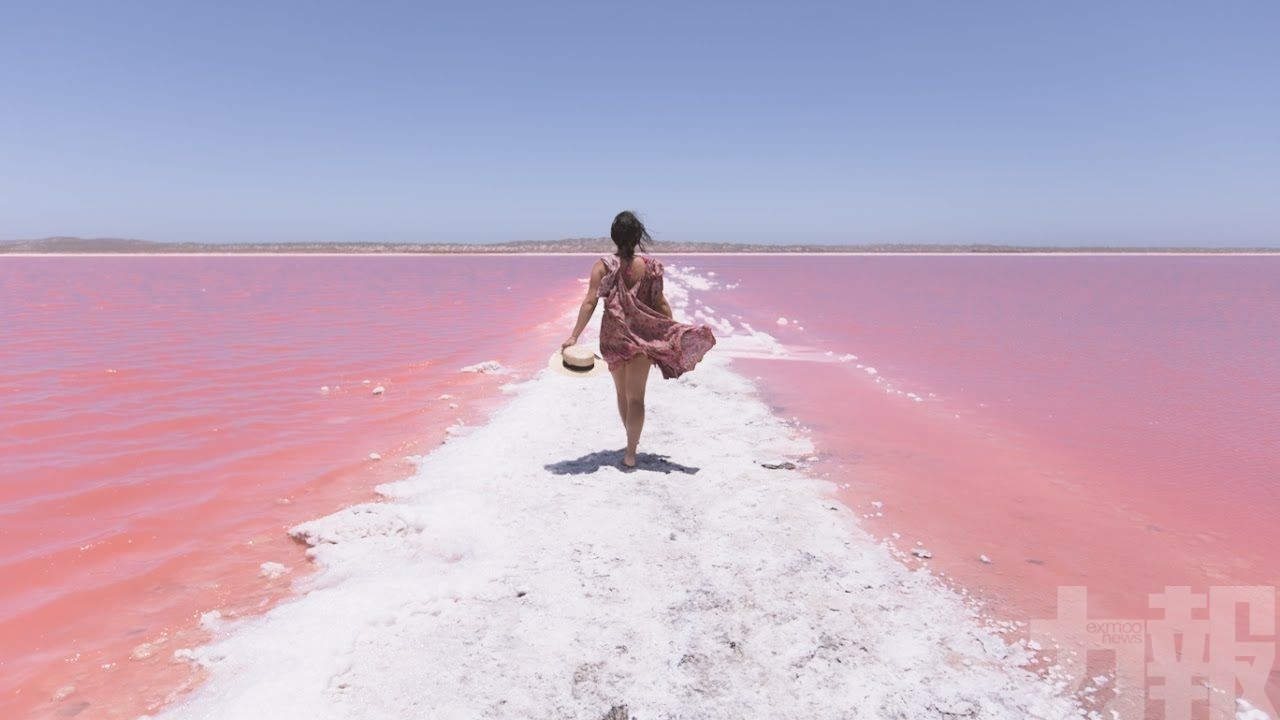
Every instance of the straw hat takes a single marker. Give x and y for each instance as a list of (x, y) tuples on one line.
[(576, 361)]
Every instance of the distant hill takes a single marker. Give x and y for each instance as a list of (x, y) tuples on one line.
[(126, 246)]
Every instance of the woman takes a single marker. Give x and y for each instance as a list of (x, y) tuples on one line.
[(637, 329)]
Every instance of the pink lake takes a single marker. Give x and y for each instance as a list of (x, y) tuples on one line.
[(162, 420), (1112, 422)]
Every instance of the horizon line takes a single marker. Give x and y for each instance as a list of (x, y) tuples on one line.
[(1208, 252), (48, 246)]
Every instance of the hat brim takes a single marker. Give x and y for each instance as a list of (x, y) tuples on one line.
[(556, 363)]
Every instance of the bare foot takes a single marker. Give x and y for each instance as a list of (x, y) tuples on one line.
[(629, 460)]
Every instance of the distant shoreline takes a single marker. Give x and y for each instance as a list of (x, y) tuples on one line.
[(1062, 253), (99, 247)]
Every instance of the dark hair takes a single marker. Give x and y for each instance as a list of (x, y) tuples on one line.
[(628, 234)]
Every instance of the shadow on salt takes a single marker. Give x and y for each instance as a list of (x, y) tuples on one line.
[(591, 462)]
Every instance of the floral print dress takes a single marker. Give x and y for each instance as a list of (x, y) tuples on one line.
[(631, 324)]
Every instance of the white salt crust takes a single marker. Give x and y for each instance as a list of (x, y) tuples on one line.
[(521, 574)]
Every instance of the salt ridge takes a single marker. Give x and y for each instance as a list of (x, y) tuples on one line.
[(756, 344), (521, 574)]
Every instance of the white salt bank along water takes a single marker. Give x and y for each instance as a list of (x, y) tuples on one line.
[(521, 574)]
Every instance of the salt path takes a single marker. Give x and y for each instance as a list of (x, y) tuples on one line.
[(520, 573)]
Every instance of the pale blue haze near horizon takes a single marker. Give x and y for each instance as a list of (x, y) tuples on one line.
[(1096, 123)]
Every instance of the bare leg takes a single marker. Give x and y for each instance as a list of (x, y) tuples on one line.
[(637, 378), (620, 384)]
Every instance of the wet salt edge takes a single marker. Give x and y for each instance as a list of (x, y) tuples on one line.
[(134, 686), (726, 592)]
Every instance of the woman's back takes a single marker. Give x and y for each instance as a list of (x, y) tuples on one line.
[(637, 328), (635, 270), (638, 275)]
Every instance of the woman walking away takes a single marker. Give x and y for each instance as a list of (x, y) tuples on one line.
[(637, 329)]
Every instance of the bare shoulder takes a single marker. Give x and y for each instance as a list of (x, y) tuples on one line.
[(597, 269)]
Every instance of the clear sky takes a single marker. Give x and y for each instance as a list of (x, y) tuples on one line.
[(1014, 121)]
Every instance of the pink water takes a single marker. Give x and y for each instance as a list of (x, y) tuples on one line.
[(162, 421), (1108, 421), (1112, 422)]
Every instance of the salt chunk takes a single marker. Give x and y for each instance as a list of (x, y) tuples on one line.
[(488, 367), (375, 456), (379, 390), (272, 570), (142, 652), (921, 553)]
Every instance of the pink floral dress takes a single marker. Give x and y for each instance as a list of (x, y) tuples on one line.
[(631, 324)]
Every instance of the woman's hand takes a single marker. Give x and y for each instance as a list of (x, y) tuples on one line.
[(573, 340)]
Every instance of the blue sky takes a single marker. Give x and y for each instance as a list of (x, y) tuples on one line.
[(1009, 122)]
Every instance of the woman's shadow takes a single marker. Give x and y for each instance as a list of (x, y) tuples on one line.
[(592, 462)]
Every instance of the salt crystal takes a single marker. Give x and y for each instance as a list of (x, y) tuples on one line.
[(210, 620), (142, 652), (272, 570)]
